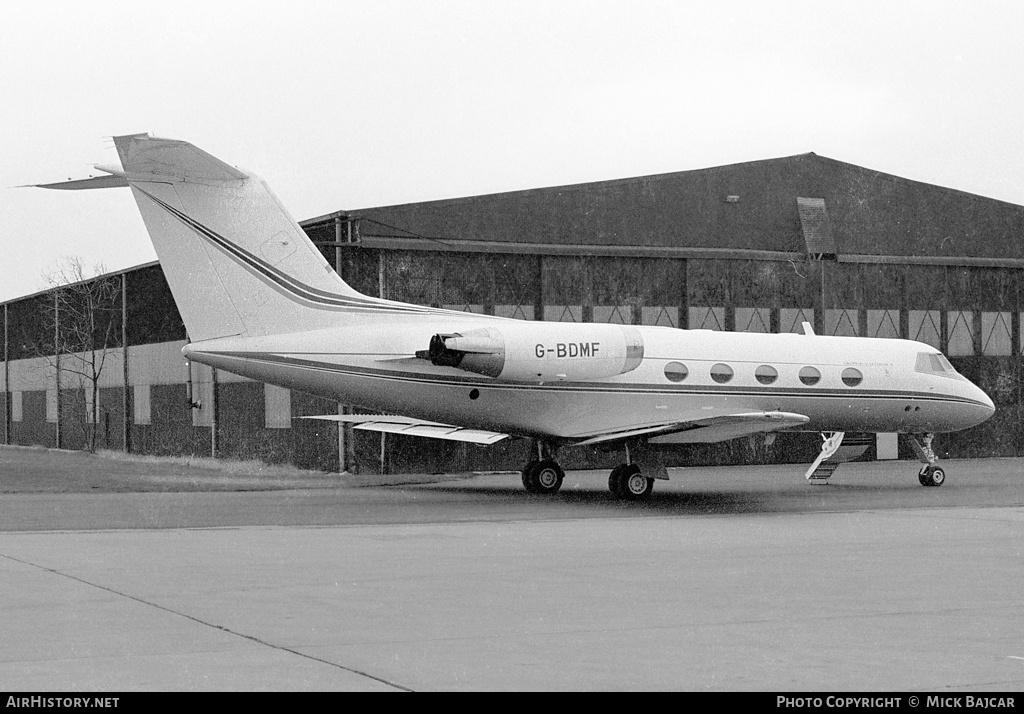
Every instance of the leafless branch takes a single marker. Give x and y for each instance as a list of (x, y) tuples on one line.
[(83, 315)]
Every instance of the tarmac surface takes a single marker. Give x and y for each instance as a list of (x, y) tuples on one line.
[(125, 576)]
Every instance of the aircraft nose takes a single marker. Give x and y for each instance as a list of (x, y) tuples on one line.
[(988, 403), (985, 406)]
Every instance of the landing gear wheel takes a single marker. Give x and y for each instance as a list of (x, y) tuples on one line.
[(931, 476), (629, 483), (615, 480), (543, 477)]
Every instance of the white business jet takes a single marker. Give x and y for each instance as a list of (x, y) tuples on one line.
[(258, 299)]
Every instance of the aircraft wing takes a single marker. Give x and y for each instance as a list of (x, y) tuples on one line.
[(407, 426), (707, 430)]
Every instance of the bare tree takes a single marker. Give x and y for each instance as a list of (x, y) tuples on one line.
[(84, 317)]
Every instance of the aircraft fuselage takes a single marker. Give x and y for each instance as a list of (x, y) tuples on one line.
[(840, 383)]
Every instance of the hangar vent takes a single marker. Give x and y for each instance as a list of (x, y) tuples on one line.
[(817, 230)]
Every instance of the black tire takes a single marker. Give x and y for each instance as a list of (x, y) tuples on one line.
[(922, 476), (629, 483), (543, 477), (528, 479), (615, 480), (932, 476)]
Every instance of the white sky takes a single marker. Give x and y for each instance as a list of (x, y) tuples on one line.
[(343, 105)]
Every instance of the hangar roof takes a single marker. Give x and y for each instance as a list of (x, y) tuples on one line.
[(745, 207)]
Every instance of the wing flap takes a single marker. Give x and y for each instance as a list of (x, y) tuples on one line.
[(407, 426)]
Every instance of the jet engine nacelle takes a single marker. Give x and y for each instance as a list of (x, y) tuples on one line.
[(540, 352)]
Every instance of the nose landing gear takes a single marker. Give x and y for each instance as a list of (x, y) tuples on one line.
[(931, 474)]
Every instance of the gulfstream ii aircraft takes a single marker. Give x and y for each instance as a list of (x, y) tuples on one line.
[(259, 300)]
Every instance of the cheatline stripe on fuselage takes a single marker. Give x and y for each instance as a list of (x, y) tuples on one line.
[(280, 280), (595, 387)]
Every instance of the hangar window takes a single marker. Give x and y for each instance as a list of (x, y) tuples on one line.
[(852, 377), (765, 374), (277, 407), (810, 376), (16, 403), (141, 404), (721, 373), (676, 371)]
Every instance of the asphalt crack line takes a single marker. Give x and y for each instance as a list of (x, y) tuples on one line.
[(214, 626)]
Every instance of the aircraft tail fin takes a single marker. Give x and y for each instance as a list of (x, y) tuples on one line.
[(237, 263)]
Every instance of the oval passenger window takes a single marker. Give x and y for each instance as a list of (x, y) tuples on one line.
[(721, 373), (676, 371), (765, 374), (852, 377), (810, 376)]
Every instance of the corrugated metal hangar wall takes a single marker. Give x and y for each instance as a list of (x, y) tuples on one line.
[(761, 246)]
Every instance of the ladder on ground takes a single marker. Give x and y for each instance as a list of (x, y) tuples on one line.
[(834, 451)]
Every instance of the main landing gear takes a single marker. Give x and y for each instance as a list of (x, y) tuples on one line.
[(543, 476), (931, 474), (627, 481)]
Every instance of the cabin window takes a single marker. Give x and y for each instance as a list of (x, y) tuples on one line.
[(852, 377), (676, 371), (765, 374), (721, 373), (810, 376)]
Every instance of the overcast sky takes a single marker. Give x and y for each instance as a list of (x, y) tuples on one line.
[(344, 105)]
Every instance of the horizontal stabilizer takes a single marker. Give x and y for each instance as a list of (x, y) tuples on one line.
[(147, 158), (86, 183), (407, 426), (706, 430), (151, 157)]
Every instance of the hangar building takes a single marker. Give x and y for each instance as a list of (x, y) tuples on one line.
[(759, 246)]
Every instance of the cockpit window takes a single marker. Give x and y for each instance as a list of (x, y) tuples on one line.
[(931, 362), (935, 363)]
